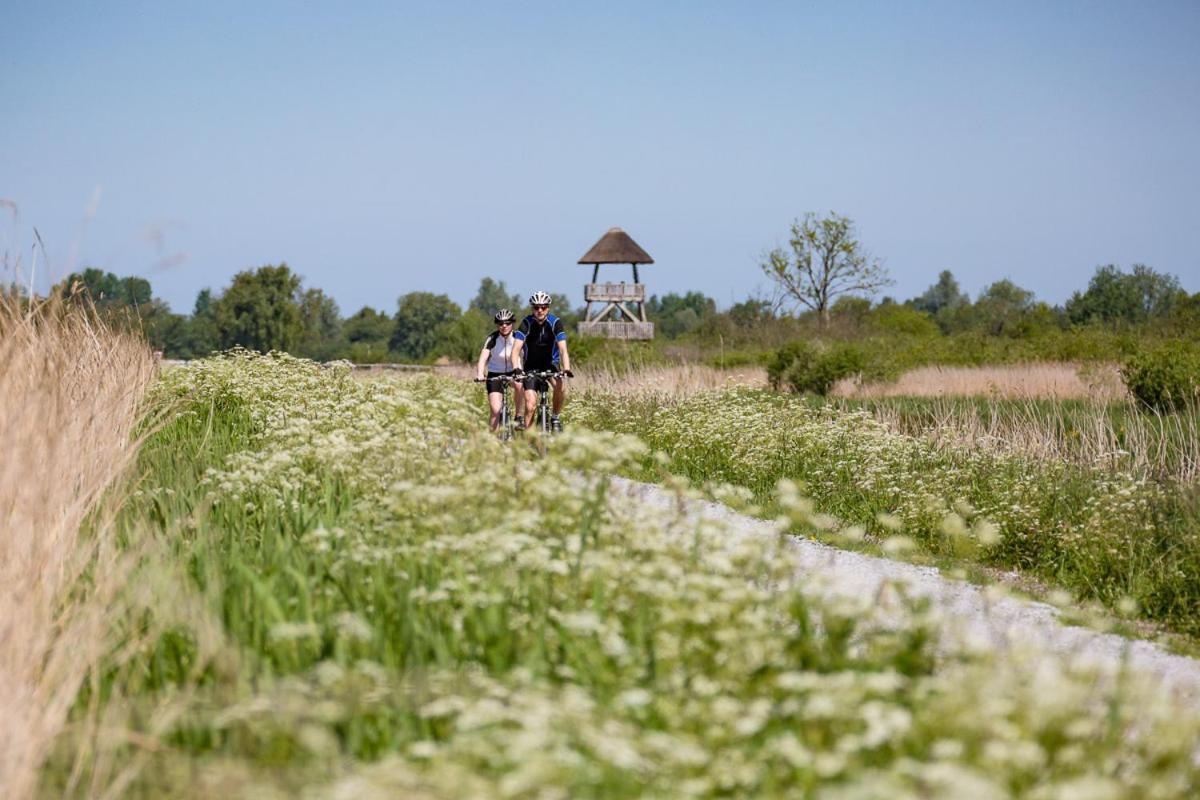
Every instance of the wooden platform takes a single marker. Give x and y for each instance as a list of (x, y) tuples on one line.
[(618, 330), (614, 292)]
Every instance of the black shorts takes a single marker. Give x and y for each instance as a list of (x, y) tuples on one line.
[(533, 384), (494, 385)]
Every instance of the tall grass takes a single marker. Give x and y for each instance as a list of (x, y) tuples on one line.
[(418, 610), (69, 402), (1050, 380), (1085, 433)]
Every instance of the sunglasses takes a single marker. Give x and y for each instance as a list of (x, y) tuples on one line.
[(540, 308), (502, 324)]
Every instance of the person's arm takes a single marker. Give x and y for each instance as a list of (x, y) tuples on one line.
[(560, 340), (519, 344), (484, 355), (564, 355)]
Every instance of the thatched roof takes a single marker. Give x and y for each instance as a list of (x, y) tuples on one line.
[(616, 247)]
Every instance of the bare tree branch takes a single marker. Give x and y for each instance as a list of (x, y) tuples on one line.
[(826, 261)]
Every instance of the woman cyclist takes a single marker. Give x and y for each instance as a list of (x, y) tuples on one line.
[(496, 358)]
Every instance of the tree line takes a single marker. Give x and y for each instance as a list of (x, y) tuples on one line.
[(823, 285)]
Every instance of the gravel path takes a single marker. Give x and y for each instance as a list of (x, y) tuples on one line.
[(975, 616)]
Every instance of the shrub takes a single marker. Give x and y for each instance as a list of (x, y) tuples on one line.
[(1165, 378), (798, 351), (840, 361)]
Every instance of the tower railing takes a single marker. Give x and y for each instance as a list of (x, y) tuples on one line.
[(614, 292)]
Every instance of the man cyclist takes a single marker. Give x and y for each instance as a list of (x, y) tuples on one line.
[(496, 358), (541, 345)]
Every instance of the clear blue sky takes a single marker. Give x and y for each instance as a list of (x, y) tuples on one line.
[(391, 147)]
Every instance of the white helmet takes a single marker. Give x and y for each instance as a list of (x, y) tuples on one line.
[(539, 299)]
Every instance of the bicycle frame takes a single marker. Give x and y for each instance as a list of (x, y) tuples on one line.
[(504, 428), (543, 407)]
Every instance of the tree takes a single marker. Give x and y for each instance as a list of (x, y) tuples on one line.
[(1002, 307), (826, 261), (367, 332), (943, 294), (418, 323), (201, 336), (751, 312), (493, 296), (676, 314), (1113, 296), (322, 326), (259, 310)]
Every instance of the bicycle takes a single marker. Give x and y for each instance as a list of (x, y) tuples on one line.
[(505, 428), (542, 384)]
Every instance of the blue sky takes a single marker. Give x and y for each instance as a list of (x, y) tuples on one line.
[(391, 147)]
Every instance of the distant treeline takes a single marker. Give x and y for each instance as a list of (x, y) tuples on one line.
[(270, 309)]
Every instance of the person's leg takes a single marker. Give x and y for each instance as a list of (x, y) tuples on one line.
[(494, 401), (531, 401), (560, 394)]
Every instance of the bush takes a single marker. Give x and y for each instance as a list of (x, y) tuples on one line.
[(820, 374), (1165, 378), (798, 351)]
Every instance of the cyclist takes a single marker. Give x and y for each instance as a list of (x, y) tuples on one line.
[(496, 358), (541, 345)]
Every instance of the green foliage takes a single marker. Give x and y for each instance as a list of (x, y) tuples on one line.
[(798, 352), (259, 311), (674, 314), (1114, 296), (819, 374), (898, 319), (1107, 534), (361, 593), (461, 339), (421, 319), (1001, 308), (106, 290), (367, 333), (826, 261), (493, 296), (322, 326), (943, 296), (1167, 377)]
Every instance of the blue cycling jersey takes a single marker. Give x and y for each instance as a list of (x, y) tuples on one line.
[(541, 341)]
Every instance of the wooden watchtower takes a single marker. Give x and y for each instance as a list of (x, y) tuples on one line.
[(620, 308)]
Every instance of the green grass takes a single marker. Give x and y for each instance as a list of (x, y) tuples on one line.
[(1102, 534), (357, 591)]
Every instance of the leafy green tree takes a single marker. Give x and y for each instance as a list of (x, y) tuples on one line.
[(944, 294), (751, 312), (676, 314), (420, 317), (462, 338), (259, 310), (826, 261), (1002, 307), (200, 336), (1133, 298), (322, 323), (493, 296), (108, 291)]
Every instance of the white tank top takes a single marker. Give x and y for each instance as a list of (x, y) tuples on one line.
[(500, 359)]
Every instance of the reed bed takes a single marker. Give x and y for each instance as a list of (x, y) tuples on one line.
[(1116, 436), (70, 391), (1047, 380), (679, 380)]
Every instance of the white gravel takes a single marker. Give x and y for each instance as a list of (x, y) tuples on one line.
[(975, 616)]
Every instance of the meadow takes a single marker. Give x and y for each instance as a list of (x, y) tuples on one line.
[(323, 586)]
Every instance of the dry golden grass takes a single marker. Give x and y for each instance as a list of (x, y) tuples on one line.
[(1048, 380), (670, 381), (69, 402)]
